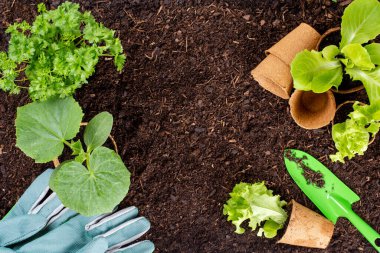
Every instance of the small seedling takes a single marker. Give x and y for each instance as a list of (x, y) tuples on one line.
[(254, 202), (57, 53), (96, 179)]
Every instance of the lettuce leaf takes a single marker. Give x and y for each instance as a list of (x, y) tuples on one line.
[(373, 50), (370, 79), (360, 22), (254, 202), (330, 52), (311, 71), (358, 56), (352, 137)]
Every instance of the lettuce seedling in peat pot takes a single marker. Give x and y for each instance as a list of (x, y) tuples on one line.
[(96, 179), (254, 202), (58, 52), (256, 206), (356, 56)]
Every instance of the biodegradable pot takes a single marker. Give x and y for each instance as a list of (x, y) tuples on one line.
[(56, 160), (326, 35), (312, 110), (273, 73), (307, 228)]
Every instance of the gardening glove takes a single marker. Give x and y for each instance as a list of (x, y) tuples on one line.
[(101, 234), (38, 211)]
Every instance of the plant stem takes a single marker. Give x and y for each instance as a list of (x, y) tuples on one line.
[(68, 144), (80, 41), (21, 80), (20, 70), (21, 87), (88, 163)]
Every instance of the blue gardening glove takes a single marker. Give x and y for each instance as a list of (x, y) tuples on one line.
[(106, 233), (40, 223), (38, 211)]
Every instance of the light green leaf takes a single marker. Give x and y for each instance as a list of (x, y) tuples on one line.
[(347, 62), (374, 52), (370, 79), (310, 71), (330, 52), (359, 56), (81, 157), (98, 130), (120, 62), (41, 7), (350, 139), (76, 147), (254, 202), (41, 128), (59, 51), (94, 191), (360, 22), (269, 229), (78, 151), (364, 114)]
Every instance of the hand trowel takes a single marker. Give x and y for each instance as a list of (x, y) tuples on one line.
[(332, 197)]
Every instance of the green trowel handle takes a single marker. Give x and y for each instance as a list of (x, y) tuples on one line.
[(369, 233)]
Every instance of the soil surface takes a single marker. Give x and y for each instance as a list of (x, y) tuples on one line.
[(190, 121)]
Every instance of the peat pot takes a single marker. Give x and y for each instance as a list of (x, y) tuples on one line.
[(312, 110), (307, 228), (273, 73)]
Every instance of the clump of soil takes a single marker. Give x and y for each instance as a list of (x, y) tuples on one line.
[(311, 176)]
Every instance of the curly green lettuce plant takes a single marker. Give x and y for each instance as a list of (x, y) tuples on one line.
[(96, 179), (57, 53), (355, 56), (353, 136), (254, 202)]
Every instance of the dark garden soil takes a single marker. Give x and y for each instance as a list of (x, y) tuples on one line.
[(190, 121)]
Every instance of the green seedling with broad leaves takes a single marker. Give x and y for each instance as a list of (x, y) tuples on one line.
[(356, 56), (57, 53), (96, 179), (254, 202)]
